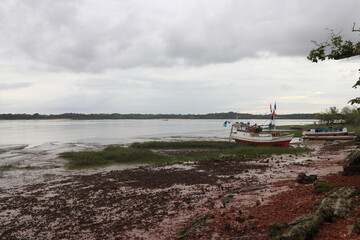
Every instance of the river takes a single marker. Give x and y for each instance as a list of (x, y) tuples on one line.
[(36, 132)]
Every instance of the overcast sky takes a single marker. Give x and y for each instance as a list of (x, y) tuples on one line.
[(185, 56)]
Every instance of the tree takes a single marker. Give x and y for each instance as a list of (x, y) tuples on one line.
[(348, 115), (330, 116), (336, 48)]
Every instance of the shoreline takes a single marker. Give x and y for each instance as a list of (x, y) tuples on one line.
[(156, 202)]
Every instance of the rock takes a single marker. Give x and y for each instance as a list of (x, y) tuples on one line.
[(300, 229), (227, 226), (335, 204), (240, 219), (353, 157), (353, 164), (350, 229), (226, 200), (302, 178), (276, 229), (357, 225)]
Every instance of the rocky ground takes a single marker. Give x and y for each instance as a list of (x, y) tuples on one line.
[(219, 199)]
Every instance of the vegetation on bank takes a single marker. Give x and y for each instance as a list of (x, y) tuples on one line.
[(9, 167), (185, 145), (79, 116), (333, 115), (162, 152)]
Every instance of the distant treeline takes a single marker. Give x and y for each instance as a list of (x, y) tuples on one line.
[(79, 116)]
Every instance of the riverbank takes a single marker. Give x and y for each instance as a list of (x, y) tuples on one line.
[(158, 202)]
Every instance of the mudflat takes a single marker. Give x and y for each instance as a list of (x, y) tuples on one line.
[(232, 198)]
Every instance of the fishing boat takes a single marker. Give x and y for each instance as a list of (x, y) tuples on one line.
[(338, 133), (259, 135)]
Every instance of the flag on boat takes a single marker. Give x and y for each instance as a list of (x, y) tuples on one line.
[(272, 110), (225, 123)]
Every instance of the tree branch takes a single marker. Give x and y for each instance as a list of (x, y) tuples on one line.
[(355, 30)]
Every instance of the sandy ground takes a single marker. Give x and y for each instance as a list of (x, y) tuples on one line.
[(39, 199)]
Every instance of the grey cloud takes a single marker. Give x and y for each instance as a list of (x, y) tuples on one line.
[(72, 35), (16, 85), (285, 87)]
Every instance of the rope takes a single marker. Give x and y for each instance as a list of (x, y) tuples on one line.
[(241, 237)]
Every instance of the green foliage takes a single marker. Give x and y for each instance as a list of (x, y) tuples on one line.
[(354, 101), (140, 153), (351, 115), (347, 115), (336, 48), (321, 187), (330, 116)]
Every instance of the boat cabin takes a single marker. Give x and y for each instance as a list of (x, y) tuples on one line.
[(246, 127)]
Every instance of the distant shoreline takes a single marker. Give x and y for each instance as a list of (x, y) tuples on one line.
[(115, 116)]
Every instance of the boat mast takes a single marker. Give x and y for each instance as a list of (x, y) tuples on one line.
[(231, 132), (272, 116)]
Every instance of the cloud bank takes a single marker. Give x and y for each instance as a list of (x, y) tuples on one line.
[(169, 56)]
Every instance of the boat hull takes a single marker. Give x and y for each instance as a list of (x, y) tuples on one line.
[(282, 141), (328, 134), (330, 137)]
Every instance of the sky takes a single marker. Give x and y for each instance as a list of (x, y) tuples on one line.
[(173, 57)]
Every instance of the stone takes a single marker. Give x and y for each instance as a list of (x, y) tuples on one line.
[(277, 229), (300, 229), (335, 204), (357, 225), (353, 164), (302, 178)]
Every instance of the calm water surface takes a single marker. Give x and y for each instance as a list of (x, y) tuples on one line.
[(35, 132)]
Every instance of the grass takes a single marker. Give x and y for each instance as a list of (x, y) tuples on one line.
[(142, 153), (6, 167), (321, 187), (185, 144), (9, 167), (111, 155), (49, 176)]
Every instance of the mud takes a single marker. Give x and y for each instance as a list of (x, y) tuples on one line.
[(156, 202)]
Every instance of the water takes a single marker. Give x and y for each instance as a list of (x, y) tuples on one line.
[(36, 132)]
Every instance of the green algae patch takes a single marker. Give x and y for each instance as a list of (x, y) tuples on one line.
[(173, 152)]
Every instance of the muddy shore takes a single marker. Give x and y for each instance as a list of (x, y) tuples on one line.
[(157, 202)]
